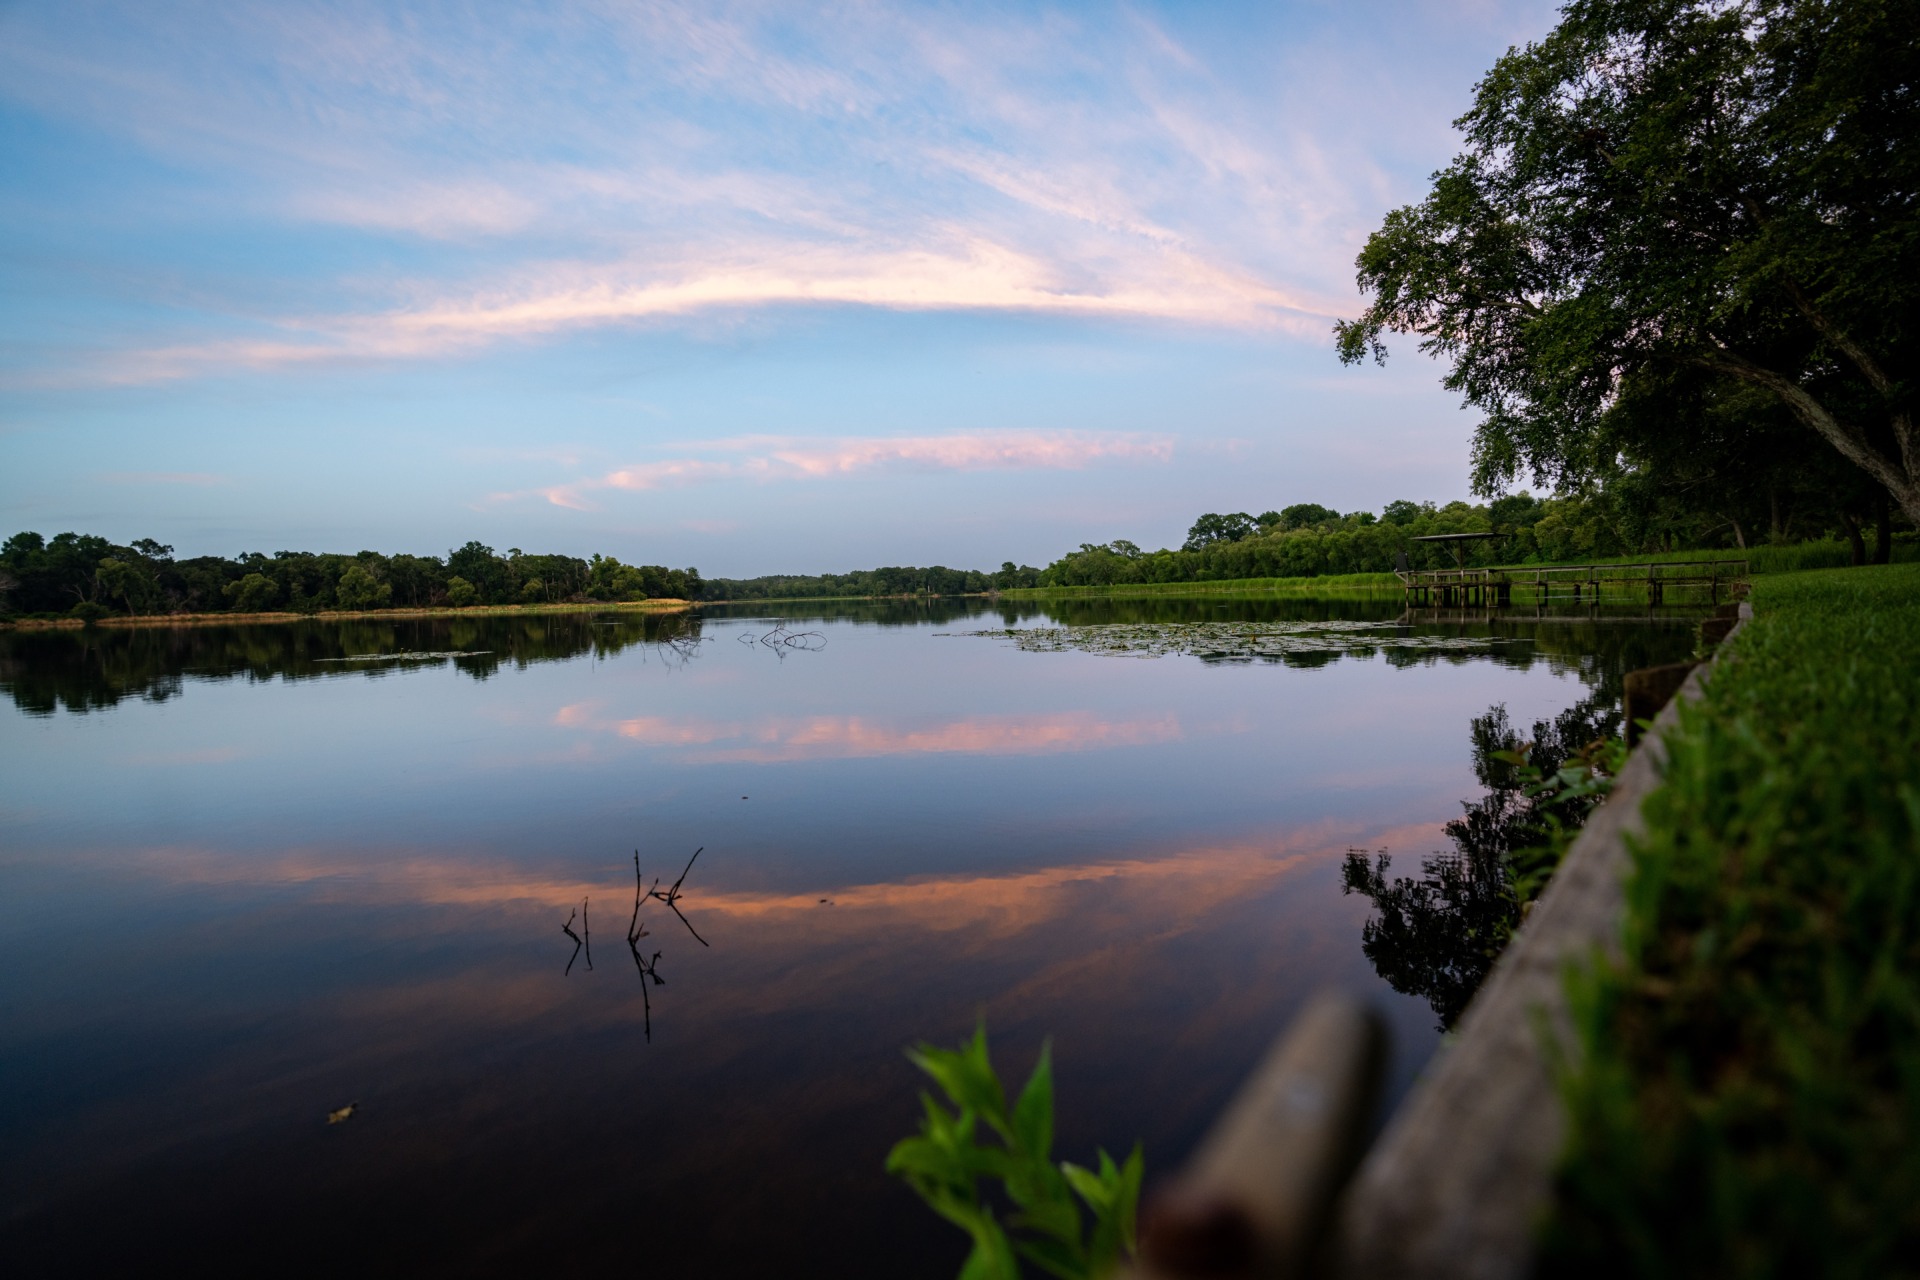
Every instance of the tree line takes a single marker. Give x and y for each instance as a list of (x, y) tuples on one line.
[(902, 580), (89, 576), (85, 575), (1632, 516)]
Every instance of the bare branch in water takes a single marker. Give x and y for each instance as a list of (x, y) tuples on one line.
[(780, 640), (648, 969), (636, 930), (567, 929), (672, 896)]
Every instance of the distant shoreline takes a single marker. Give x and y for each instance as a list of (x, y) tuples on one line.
[(343, 615)]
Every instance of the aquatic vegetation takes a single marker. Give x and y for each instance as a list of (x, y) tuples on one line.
[(1278, 641)]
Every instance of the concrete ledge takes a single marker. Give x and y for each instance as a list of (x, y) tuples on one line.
[(1458, 1182)]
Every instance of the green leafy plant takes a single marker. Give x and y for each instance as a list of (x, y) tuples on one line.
[(947, 1162)]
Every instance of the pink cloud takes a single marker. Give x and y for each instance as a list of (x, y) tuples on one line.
[(776, 740), (767, 458), (953, 269)]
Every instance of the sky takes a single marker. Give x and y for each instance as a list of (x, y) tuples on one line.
[(757, 288)]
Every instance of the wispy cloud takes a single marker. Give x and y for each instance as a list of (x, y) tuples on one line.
[(976, 275), (717, 157), (771, 457)]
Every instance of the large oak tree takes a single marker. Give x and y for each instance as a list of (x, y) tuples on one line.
[(1665, 192)]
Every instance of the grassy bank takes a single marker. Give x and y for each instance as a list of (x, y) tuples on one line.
[(1750, 1091), (1325, 584), (1796, 558), (344, 615)]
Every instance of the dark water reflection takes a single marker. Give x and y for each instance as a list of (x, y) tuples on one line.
[(1436, 934), (246, 883), (80, 670)]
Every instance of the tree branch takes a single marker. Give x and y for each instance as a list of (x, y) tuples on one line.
[(1868, 366), (1849, 440)]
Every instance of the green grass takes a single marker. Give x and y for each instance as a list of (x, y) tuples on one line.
[(1794, 558), (1830, 554), (1349, 583), (1748, 1099)]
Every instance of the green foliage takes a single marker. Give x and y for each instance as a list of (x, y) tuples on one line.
[(1627, 519), (1676, 225), (42, 576), (947, 1162), (1304, 515), (890, 580), (1213, 528), (1353, 586), (1749, 1084), (254, 593), (608, 579), (461, 593), (1012, 577), (359, 589)]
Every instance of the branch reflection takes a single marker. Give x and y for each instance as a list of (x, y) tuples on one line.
[(567, 929), (648, 966), (781, 639)]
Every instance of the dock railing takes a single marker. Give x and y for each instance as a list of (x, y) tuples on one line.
[(1495, 585)]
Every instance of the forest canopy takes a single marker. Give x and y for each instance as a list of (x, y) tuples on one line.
[(87, 575)]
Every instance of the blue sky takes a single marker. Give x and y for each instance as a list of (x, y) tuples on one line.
[(754, 287)]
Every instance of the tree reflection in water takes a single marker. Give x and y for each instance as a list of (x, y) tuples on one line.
[(1437, 935)]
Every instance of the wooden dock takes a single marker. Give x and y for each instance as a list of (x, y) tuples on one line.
[(1495, 587)]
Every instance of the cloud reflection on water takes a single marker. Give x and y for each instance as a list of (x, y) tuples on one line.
[(776, 739)]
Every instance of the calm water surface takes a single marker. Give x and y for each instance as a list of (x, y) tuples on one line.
[(251, 875)]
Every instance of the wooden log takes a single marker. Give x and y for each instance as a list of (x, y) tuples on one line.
[(1256, 1199)]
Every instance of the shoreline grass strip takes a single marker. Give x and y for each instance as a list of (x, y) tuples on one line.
[(1747, 1101)]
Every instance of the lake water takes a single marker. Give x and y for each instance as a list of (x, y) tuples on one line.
[(253, 875)]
